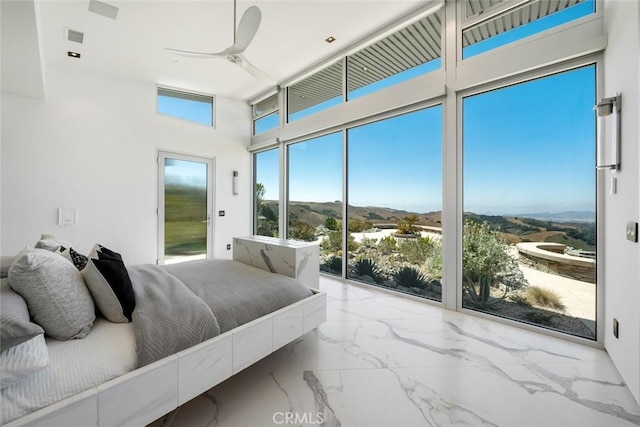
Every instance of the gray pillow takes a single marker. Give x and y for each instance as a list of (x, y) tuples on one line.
[(23, 360), (14, 318), (55, 293)]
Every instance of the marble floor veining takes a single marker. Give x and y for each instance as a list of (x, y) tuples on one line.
[(384, 360)]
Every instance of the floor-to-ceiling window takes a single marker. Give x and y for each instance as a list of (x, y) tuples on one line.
[(496, 177), (267, 192), (395, 203), (529, 233), (315, 196)]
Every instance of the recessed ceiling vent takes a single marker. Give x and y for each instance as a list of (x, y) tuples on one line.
[(75, 36), (104, 9)]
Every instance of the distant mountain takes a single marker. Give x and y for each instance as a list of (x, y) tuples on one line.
[(572, 228), (567, 216), (315, 213)]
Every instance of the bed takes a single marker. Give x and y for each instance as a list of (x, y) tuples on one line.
[(169, 347)]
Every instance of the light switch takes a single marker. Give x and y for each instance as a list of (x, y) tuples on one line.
[(632, 231), (66, 216)]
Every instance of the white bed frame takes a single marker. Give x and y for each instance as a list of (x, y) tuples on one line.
[(144, 395)]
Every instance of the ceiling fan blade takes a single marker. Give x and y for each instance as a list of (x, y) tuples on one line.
[(256, 72), (191, 54), (247, 29)]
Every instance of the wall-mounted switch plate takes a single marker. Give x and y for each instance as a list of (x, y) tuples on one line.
[(66, 216), (220, 213), (616, 327), (632, 231), (229, 246)]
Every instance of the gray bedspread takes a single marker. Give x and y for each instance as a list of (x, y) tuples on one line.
[(181, 305), (235, 292), (168, 317)]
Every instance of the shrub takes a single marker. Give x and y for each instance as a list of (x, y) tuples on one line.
[(333, 243), (486, 264), (369, 243), (302, 231), (405, 226), (367, 267), (543, 297), (417, 250), (387, 245), (356, 226), (434, 260), (410, 277), (331, 223)]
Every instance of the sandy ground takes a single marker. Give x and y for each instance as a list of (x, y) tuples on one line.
[(579, 297)]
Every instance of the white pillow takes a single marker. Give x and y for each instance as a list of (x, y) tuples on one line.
[(110, 285), (22, 360), (51, 243)]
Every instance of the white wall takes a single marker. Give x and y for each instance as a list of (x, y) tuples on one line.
[(622, 257), (91, 145)]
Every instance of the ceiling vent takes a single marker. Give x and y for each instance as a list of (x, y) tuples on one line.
[(75, 36), (103, 9)]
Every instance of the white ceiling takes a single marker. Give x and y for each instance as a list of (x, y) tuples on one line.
[(290, 38)]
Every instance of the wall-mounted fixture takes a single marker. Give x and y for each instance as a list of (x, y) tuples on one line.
[(235, 182), (66, 216), (608, 153)]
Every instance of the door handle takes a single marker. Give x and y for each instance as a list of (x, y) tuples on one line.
[(208, 221)]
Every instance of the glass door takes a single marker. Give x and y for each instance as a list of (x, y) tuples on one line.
[(185, 207)]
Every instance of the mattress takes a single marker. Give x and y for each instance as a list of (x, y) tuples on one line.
[(109, 351)]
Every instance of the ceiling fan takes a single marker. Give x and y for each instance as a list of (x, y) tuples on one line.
[(242, 36)]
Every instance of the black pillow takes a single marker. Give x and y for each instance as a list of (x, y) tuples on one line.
[(108, 280)]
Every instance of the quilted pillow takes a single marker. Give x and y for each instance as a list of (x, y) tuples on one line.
[(77, 259), (55, 293), (108, 280), (23, 360), (14, 318)]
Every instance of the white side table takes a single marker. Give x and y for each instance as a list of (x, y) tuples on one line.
[(300, 260)]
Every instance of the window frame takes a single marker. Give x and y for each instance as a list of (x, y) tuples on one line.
[(505, 65), (466, 23), (596, 59), (255, 117)]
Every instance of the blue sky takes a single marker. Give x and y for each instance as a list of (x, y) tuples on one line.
[(531, 147), (195, 111)]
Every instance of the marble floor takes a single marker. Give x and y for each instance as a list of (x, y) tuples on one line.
[(382, 360)]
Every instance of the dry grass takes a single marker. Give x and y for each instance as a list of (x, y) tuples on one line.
[(543, 297)]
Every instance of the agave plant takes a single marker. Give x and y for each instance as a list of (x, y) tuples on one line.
[(479, 292), (367, 267), (334, 264), (410, 277)]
